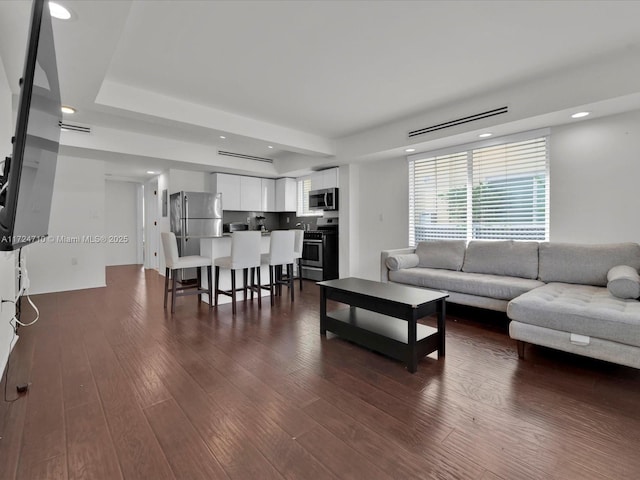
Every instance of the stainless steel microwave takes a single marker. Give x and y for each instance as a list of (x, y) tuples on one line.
[(325, 199)]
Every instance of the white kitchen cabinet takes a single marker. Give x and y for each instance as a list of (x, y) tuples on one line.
[(255, 194), (268, 195), (286, 195), (330, 177), (229, 187), (250, 194), (324, 179)]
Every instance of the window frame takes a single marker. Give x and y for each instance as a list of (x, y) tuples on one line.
[(302, 200), (469, 149)]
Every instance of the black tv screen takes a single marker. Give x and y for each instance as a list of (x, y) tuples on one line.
[(24, 217)]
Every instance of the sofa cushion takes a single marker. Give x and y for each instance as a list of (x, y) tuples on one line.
[(584, 264), (623, 281), (502, 257), (582, 309), (446, 254), (397, 262), (493, 286)]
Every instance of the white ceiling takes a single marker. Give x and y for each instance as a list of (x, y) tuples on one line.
[(305, 77)]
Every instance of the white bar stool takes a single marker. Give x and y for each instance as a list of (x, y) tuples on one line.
[(281, 253), (245, 255), (174, 262)]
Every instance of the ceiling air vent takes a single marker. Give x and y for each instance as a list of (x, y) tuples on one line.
[(460, 121), (70, 127), (246, 157)]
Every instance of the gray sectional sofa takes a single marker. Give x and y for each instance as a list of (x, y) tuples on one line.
[(573, 297)]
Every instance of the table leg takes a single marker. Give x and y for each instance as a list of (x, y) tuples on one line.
[(323, 311), (412, 363), (441, 326)]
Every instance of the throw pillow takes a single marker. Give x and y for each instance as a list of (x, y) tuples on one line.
[(399, 262), (623, 281), (445, 254)]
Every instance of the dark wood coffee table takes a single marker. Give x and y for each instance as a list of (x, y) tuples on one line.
[(383, 317)]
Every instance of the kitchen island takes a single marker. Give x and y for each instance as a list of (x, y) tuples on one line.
[(215, 247)]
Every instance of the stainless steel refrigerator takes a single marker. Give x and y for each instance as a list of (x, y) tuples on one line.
[(194, 215)]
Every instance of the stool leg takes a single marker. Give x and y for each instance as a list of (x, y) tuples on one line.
[(252, 272), (300, 272), (290, 278), (166, 286), (233, 292), (245, 272), (199, 276), (217, 285), (209, 286), (271, 283), (278, 280), (259, 290), (173, 291)]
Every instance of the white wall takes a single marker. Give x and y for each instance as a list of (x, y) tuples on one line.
[(382, 220), (595, 180), (164, 223), (121, 220), (188, 181), (7, 259), (7, 309), (69, 260), (594, 198)]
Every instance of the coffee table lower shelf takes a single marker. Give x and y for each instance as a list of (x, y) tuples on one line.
[(381, 333)]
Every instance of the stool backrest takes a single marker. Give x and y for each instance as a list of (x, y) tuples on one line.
[(245, 249), (282, 246), (170, 248)]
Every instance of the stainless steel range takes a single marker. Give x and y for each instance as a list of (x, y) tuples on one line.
[(320, 251)]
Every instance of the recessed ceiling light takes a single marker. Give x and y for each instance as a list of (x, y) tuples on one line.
[(222, 137), (58, 11), (485, 135), (67, 109), (409, 150), (150, 172), (580, 114), (269, 146)]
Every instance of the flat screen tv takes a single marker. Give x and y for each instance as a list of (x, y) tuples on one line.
[(29, 173)]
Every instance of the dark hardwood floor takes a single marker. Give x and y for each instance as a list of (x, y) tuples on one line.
[(122, 389)]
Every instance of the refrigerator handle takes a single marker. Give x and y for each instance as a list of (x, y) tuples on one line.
[(186, 215)]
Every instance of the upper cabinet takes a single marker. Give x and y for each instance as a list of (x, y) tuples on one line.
[(245, 194), (286, 195), (324, 179), (255, 194), (250, 194), (229, 187), (268, 195)]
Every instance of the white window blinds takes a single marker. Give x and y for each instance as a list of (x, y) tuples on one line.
[(499, 191)]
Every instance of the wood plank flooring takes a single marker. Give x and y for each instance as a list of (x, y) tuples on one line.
[(120, 389)]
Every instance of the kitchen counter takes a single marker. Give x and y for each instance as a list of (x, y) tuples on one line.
[(198, 236), (266, 233)]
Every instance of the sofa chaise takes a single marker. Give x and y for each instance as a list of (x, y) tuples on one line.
[(573, 297)]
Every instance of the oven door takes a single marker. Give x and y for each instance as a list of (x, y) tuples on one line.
[(312, 253)]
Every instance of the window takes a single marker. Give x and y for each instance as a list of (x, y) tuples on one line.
[(302, 204), (483, 191)]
